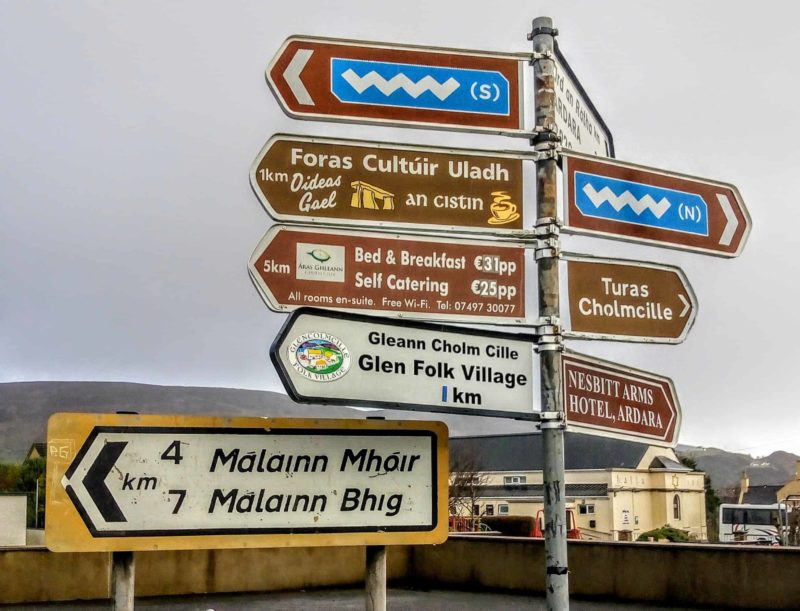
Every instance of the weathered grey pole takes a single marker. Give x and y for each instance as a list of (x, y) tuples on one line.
[(123, 573), (545, 140), (376, 578)]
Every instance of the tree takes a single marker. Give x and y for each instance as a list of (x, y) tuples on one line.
[(9, 476), (31, 472), (712, 500), (466, 480)]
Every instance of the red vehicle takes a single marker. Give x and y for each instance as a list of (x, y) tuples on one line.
[(573, 532)]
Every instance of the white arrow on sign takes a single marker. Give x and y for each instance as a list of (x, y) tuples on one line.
[(130, 481), (686, 306), (730, 216), (292, 76)]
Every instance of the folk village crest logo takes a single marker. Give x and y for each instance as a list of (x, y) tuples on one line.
[(319, 356)]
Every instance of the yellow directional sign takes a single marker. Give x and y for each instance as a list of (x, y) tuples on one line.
[(127, 482)]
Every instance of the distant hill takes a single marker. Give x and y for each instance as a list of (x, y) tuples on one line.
[(725, 468), (26, 406)]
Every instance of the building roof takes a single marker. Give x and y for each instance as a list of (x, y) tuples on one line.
[(39, 448), (523, 452), (766, 494), (664, 462), (537, 490)]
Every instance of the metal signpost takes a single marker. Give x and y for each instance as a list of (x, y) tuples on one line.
[(385, 84), (552, 425), (603, 398), (632, 301), (619, 200), (393, 186), (181, 482), (418, 277), (348, 359)]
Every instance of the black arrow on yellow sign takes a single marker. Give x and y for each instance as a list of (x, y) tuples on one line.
[(95, 483)]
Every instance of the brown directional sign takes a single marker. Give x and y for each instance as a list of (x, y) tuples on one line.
[(610, 400), (367, 82), (414, 276), (118, 482), (609, 198), (628, 300), (347, 182)]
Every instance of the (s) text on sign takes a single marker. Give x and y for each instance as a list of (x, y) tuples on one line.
[(372, 82)]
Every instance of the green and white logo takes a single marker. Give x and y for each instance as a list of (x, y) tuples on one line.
[(320, 262)]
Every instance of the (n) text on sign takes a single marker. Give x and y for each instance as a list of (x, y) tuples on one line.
[(625, 201)]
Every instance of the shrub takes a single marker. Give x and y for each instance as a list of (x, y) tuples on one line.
[(665, 532)]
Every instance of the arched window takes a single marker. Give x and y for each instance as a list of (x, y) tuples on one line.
[(676, 507)]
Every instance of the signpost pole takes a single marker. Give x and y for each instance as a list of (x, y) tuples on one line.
[(376, 578), (555, 534), (123, 573)]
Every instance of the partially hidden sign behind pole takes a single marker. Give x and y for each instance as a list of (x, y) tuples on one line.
[(126, 482), (579, 124), (417, 276), (343, 80), (611, 400), (632, 301), (621, 200), (348, 359), (314, 180)]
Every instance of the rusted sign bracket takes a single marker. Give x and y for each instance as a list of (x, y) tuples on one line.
[(546, 141), (548, 325), (547, 249), (552, 420), (547, 227), (536, 56)]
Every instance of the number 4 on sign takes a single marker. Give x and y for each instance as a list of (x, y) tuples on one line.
[(173, 453)]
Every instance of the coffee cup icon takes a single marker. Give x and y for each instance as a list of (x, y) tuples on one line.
[(502, 208)]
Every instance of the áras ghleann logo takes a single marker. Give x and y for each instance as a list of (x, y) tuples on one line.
[(321, 262), (320, 255), (319, 356)]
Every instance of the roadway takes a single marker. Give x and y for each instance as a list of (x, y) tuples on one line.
[(350, 599)]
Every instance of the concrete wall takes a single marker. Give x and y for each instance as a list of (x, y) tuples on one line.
[(667, 574), (13, 509), (37, 575)]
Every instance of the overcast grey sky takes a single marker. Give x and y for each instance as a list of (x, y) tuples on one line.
[(127, 131)]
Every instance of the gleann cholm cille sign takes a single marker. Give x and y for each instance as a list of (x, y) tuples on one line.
[(348, 359)]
